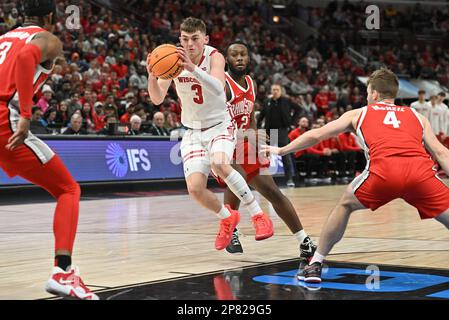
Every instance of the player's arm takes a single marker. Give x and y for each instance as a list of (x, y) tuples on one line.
[(42, 48), (157, 89), (310, 138), (213, 82), (439, 152)]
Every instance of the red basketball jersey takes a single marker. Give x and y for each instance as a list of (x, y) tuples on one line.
[(241, 104), (386, 130), (10, 45)]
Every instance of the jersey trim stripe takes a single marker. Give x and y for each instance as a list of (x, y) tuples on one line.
[(358, 182)]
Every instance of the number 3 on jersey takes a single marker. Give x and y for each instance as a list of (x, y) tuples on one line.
[(390, 119), (198, 99), (4, 48)]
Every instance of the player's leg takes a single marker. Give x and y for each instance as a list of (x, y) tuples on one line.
[(332, 232), (266, 186), (233, 202), (196, 162), (54, 177), (220, 162)]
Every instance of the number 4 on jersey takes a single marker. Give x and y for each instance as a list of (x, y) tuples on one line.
[(390, 119)]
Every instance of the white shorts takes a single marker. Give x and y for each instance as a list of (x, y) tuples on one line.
[(197, 147)]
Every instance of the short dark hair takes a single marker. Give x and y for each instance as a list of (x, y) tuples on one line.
[(38, 8), (192, 25), (442, 94), (421, 91), (35, 108), (385, 82), (241, 42)]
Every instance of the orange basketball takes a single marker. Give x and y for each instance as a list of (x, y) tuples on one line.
[(164, 62)]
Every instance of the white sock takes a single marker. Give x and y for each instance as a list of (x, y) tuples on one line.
[(301, 235), (317, 258), (240, 188), (223, 213)]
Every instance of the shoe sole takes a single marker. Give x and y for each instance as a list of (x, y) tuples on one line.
[(312, 280), (261, 237)]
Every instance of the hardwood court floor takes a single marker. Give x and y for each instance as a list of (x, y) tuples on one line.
[(125, 241)]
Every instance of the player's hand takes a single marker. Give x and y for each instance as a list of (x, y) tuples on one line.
[(23, 127), (271, 150), (186, 63), (327, 152), (151, 75)]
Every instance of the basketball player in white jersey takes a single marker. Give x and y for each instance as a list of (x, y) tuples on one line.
[(421, 105), (210, 139), (437, 115)]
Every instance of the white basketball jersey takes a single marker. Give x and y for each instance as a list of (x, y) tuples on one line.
[(200, 108)]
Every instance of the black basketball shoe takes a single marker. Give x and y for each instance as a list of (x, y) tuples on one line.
[(307, 249), (235, 247), (312, 273)]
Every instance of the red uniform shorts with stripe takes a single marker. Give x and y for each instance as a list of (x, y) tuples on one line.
[(246, 156), (411, 179), (31, 155)]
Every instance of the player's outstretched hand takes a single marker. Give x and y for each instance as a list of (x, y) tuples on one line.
[(271, 150), (186, 63), (23, 127)]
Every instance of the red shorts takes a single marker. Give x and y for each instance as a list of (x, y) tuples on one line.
[(248, 159), (411, 179), (32, 154)]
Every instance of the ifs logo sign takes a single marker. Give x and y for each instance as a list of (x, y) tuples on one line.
[(121, 161)]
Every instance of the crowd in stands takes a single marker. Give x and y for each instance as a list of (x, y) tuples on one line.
[(103, 77)]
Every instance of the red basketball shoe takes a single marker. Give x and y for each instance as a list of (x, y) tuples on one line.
[(227, 227), (68, 284), (263, 226)]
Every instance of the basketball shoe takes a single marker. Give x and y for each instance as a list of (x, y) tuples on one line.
[(263, 226), (307, 249), (312, 273), (68, 284), (226, 231), (235, 247)]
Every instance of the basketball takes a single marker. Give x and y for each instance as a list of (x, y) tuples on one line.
[(164, 62)]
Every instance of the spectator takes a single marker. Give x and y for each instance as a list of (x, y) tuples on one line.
[(75, 128), (322, 101), (36, 125), (136, 123), (75, 103), (44, 101), (158, 128), (62, 114), (110, 119), (49, 118), (309, 107), (89, 118), (276, 111), (422, 106)]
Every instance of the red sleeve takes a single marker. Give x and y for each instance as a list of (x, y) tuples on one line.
[(317, 149), (293, 134), (27, 60)]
